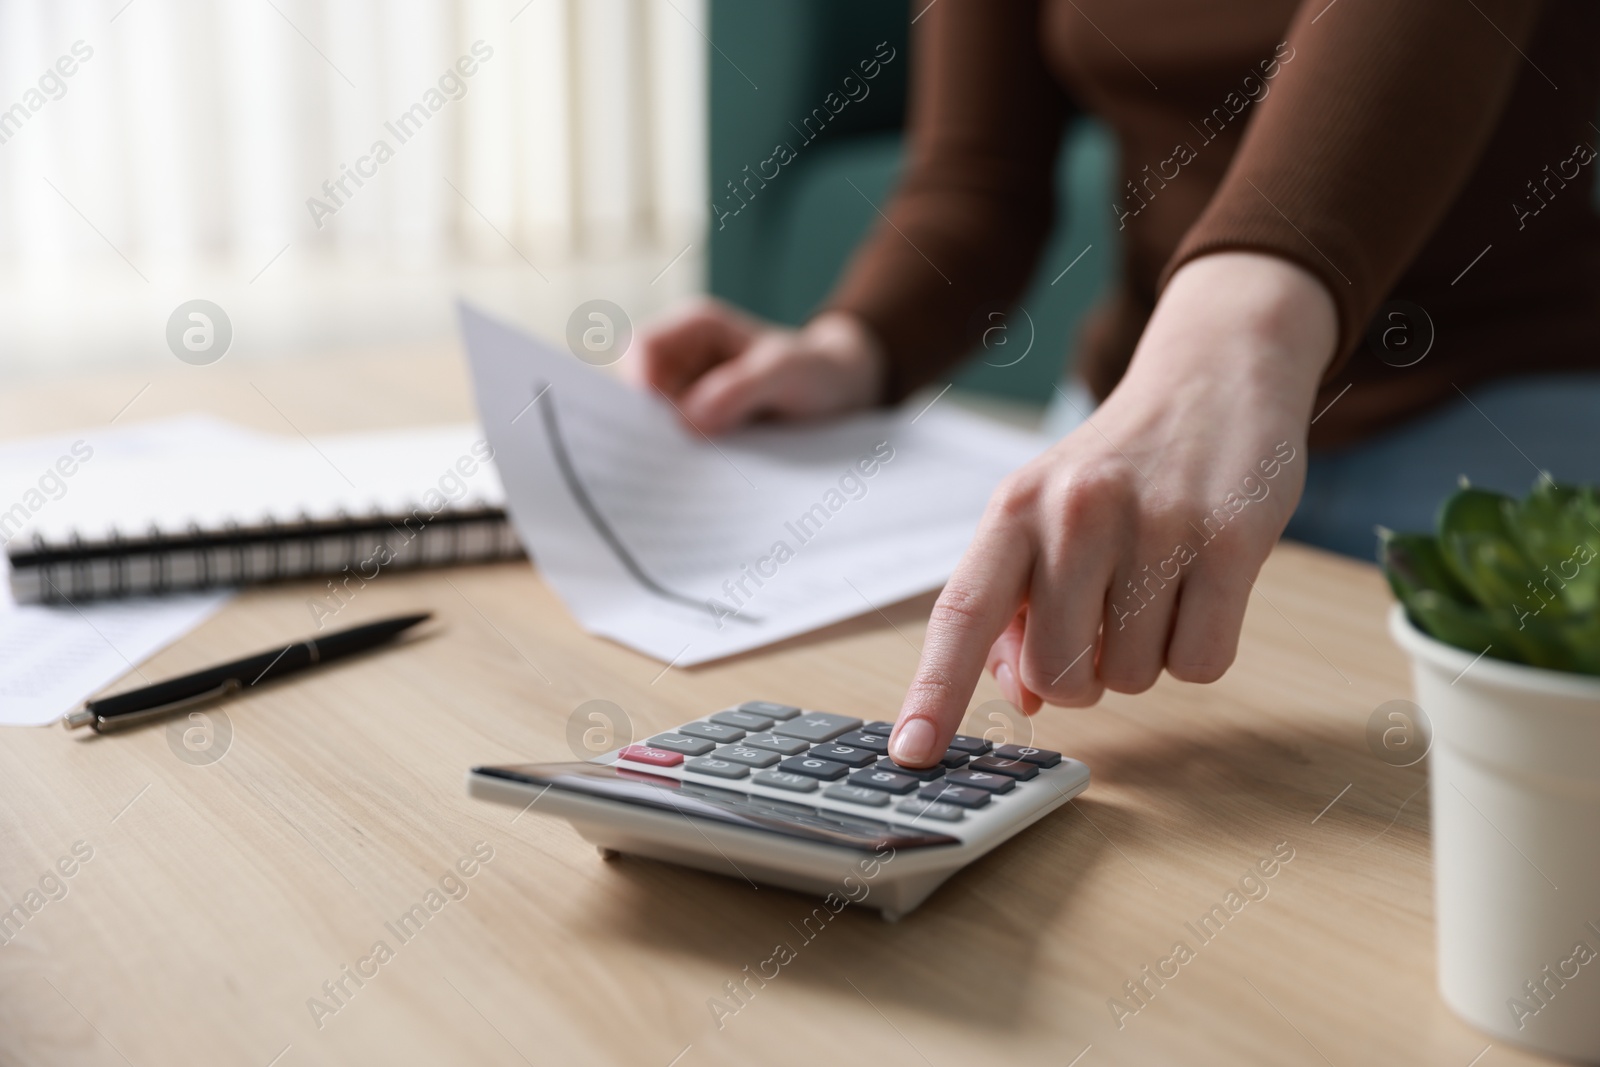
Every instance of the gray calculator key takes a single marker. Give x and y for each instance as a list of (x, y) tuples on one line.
[(753, 757), (962, 796), (929, 809), (812, 767), (712, 731), (924, 774), (879, 727), (954, 757), (744, 720), (794, 783), (994, 783), (1013, 768), (877, 743), (977, 746), (689, 746), (769, 709), (1039, 757), (845, 754), (783, 746), (888, 781), (816, 726), (855, 794), (717, 768)]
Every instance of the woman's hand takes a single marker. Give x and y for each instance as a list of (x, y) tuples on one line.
[(1132, 544), (722, 368)]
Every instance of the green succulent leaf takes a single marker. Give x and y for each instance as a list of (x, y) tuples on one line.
[(1520, 579), (1545, 522), (1478, 546), (1469, 628), (1413, 562), (1473, 510), (1493, 633)]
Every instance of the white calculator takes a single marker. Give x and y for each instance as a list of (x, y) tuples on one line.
[(797, 798)]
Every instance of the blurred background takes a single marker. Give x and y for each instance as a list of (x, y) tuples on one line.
[(178, 161), (204, 149)]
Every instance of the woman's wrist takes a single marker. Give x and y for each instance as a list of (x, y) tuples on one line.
[(1246, 321), (846, 341)]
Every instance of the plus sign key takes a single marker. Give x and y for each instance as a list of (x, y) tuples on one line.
[(816, 726)]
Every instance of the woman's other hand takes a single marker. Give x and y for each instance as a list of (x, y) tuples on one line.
[(722, 368)]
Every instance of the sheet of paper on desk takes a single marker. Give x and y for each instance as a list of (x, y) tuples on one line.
[(51, 658), (691, 549)]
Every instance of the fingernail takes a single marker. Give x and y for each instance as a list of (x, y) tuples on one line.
[(1007, 681), (912, 744)]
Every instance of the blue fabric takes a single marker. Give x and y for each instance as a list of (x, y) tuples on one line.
[(1500, 437)]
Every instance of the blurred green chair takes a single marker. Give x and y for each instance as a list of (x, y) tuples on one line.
[(780, 255)]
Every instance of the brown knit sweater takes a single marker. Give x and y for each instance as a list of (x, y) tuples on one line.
[(1439, 152)]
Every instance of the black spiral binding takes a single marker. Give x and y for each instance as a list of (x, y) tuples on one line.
[(120, 565)]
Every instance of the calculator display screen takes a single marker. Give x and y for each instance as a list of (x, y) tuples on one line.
[(720, 805)]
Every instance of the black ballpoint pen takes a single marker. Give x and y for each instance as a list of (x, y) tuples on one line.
[(214, 683)]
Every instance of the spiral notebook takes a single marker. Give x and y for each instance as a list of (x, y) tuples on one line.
[(198, 508)]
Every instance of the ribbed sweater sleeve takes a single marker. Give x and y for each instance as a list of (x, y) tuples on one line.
[(974, 205), (1368, 135)]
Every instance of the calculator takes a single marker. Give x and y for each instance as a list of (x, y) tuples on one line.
[(802, 799)]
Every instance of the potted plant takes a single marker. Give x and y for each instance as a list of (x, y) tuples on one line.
[(1500, 614)]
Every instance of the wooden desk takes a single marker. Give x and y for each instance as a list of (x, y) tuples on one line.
[(219, 898)]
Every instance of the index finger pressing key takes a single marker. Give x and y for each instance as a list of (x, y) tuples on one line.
[(977, 604)]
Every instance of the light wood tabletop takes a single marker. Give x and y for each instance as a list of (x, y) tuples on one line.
[(212, 905)]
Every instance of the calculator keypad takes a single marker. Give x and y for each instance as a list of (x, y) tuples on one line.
[(779, 747)]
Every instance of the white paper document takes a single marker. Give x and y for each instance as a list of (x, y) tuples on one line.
[(689, 548), (53, 658)]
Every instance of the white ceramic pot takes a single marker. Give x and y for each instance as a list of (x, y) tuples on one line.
[(1514, 777)]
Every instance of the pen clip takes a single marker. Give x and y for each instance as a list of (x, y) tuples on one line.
[(103, 724)]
